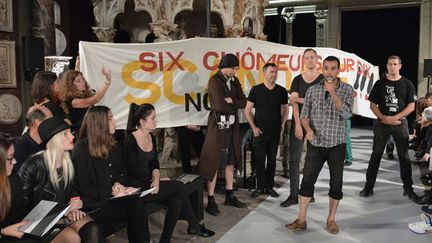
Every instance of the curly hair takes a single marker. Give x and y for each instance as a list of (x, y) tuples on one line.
[(68, 90)]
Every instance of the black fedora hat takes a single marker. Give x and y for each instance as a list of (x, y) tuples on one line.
[(50, 127)]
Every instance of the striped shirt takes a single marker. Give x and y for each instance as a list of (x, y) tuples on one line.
[(327, 123)]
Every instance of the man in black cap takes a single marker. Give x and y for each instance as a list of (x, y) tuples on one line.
[(221, 147)]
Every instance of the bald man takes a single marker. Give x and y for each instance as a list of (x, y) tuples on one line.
[(29, 142)]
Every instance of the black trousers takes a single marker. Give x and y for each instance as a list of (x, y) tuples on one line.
[(129, 210), (173, 194), (315, 159), (187, 138), (400, 134), (265, 147), (296, 147)]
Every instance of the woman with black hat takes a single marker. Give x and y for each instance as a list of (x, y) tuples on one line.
[(49, 175)]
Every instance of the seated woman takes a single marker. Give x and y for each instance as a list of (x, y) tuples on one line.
[(77, 97), (11, 200), (49, 175), (97, 160), (142, 162)]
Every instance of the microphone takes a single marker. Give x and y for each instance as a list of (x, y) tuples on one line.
[(329, 80)]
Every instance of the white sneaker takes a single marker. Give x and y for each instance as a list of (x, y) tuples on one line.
[(422, 227)]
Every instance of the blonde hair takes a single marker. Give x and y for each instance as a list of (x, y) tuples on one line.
[(54, 152)]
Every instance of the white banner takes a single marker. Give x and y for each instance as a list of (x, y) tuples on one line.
[(173, 76)]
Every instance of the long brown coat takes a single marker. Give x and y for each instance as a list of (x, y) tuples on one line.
[(212, 149)]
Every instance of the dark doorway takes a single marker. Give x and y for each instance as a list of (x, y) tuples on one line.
[(303, 29), (376, 34)]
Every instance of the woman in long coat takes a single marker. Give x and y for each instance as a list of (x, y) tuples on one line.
[(221, 147)]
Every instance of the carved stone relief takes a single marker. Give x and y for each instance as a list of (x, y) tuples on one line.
[(163, 13)]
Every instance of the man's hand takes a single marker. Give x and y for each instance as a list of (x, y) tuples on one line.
[(228, 100), (195, 128), (298, 131), (310, 135), (256, 131), (330, 87), (391, 120)]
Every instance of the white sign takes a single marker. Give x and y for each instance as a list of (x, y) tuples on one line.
[(173, 76)]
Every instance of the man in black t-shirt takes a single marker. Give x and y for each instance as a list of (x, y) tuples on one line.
[(299, 86), (270, 101), (392, 99)]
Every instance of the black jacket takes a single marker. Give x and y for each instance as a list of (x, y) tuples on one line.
[(94, 176), (36, 183)]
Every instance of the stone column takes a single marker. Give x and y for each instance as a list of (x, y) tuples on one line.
[(333, 25), (104, 34), (162, 30), (44, 25), (321, 28), (425, 46), (289, 19), (233, 31)]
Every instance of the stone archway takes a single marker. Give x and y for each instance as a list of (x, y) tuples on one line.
[(192, 23), (136, 24)]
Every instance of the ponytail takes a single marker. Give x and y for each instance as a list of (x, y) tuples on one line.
[(136, 113)]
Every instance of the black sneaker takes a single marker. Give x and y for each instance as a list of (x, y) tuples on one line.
[(256, 193), (212, 208), (427, 209), (412, 196), (233, 201), (290, 201), (272, 192), (390, 156), (201, 231), (366, 192)]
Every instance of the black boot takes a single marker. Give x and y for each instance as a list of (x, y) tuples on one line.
[(201, 231), (91, 233), (232, 200), (212, 207), (412, 195), (366, 192)]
